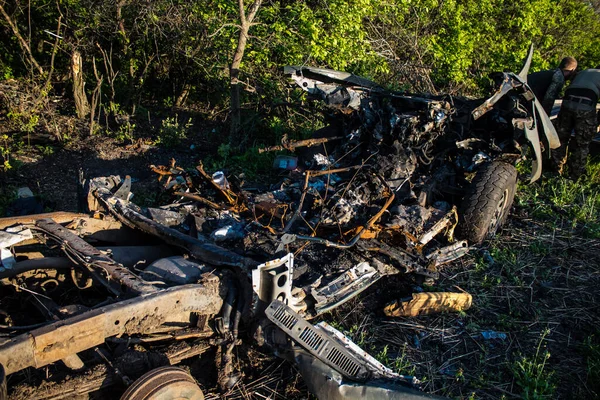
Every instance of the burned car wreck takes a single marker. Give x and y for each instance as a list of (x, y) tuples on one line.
[(122, 315), (399, 183)]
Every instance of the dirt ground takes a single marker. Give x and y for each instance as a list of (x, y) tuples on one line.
[(55, 176), (533, 331)]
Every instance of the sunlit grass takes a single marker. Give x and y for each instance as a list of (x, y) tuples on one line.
[(557, 199)]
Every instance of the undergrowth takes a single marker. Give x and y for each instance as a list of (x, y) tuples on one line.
[(8, 194), (531, 374), (591, 349), (251, 163), (561, 201)]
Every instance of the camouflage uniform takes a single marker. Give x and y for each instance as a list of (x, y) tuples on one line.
[(584, 122), (546, 86), (553, 91), (578, 113)]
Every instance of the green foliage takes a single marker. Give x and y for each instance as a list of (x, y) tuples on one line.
[(172, 131), (24, 122), (5, 72), (161, 52), (45, 150), (252, 163), (328, 34), (125, 133), (399, 364), (5, 152), (531, 375), (224, 151)]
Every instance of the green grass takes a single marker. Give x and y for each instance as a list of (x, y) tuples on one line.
[(531, 374), (399, 362), (591, 349), (565, 202)]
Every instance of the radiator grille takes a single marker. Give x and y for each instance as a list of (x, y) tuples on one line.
[(285, 318), (343, 362), (317, 341), (311, 339)]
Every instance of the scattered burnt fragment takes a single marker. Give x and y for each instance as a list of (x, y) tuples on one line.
[(118, 296)]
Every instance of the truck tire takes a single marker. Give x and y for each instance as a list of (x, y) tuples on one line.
[(487, 201)]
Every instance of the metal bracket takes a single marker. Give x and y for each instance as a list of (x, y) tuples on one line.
[(124, 190), (348, 285), (272, 281)]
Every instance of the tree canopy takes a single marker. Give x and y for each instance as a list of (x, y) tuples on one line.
[(175, 52)]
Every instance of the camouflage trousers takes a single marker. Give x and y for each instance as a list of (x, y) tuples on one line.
[(585, 125)]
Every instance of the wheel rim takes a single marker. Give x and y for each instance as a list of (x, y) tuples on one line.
[(164, 383), (498, 213)]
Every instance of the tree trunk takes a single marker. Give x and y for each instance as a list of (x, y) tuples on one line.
[(236, 140), (81, 103), (183, 95)]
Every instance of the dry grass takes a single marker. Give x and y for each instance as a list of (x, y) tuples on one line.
[(535, 283), (539, 280)]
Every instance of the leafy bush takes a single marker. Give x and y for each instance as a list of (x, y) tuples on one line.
[(172, 131), (166, 53)]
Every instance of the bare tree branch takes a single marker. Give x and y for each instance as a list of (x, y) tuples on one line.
[(22, 42), (235, 138), (54, 49)]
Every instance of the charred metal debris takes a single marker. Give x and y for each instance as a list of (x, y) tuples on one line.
[(398, 183)]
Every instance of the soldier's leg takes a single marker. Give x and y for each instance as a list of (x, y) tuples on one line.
[(579, 147), (564, 126)]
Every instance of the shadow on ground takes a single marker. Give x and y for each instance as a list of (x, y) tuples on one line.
[(54, 177)]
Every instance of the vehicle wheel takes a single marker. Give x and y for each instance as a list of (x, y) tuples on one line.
[(164, 383), (487, 201)]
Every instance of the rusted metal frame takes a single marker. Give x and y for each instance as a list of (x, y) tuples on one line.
[(199, 199), (233, 198), (37, 263), (128, 256), (291, 145), (449, 253), (272, 210), (182, 334), (312, 174), (49, 308), (93, 258), (60, 339), (446, 222), (101, 377), (199, 247), (76, 259), (360, 230), (60, 217), (83, 224), (410, 262)]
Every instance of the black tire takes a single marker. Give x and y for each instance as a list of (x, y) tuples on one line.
[(487, 201)]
